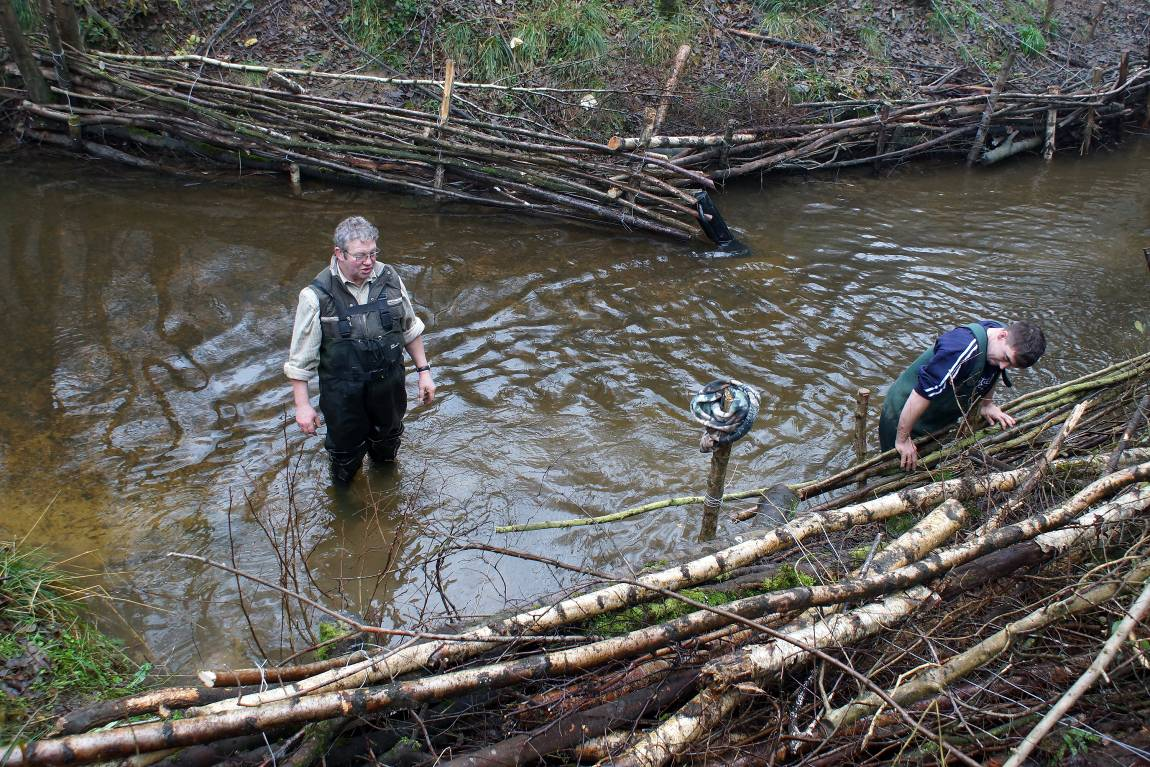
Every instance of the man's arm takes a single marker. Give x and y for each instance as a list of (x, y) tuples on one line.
[(303, 358), (915, 406), (426, 384)]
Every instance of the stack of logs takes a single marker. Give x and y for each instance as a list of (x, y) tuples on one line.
[(839, 637), (138, 109)]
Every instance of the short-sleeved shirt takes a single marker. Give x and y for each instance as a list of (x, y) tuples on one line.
[(955, 355)]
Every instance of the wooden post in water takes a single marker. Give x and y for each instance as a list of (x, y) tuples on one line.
[(1091, 115), (444, 114), (880, 143), (1051, 127), (716, 482), (862, 403), (294, 179)]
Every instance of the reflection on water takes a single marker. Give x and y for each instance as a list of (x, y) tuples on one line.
[(143, 408)]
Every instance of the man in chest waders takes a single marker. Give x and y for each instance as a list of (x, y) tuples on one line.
[(954, 378), (351, 326)]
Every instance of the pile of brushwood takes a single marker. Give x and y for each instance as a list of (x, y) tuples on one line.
[(978, 609), (162, 111)]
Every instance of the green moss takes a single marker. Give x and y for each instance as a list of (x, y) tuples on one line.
[(640, 616), (787, 577), (896, 526), (51, 654)]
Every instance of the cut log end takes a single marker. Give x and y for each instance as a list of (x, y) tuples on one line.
[(208, 678)]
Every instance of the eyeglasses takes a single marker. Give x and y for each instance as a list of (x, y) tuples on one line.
[(371, 255)]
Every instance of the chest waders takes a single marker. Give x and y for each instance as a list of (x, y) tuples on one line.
[(361, 390), (945, 409)]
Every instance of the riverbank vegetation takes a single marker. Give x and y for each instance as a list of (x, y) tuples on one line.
[(52, 657), (1001, 618)]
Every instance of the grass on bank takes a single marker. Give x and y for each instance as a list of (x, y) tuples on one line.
[(51, 658)]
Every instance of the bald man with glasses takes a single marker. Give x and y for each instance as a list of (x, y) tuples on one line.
[(351, 326)]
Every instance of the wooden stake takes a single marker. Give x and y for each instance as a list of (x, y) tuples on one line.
[(294, 179), (862, 402), (1051, 127), (716, 481), (984, 123), (1123, 70), (444, 113), (75, 133), (880, 144), (655, 118), (1091, 115)]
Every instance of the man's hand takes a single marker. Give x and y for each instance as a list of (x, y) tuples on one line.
[(426, 388), (993, 413), (307, 418), (907, 452)]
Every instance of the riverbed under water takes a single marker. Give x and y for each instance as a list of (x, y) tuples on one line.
[(143, 408)]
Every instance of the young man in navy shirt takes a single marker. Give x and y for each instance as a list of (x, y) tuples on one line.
[(946, 382)]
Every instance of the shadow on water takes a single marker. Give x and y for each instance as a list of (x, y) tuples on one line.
[(144, 411)]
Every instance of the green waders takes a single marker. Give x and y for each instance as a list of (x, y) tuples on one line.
[(944, 410)]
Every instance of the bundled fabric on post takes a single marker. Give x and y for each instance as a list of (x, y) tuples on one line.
[(727, 409)]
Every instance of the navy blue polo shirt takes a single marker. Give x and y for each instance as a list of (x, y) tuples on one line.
[(955, 355)]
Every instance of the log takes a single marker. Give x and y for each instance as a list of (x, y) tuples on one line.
[(84, 719), (1042, 548), (1009, 148), (274, 674), (716, 702), (937, 678), (578, 726), (778, 41)]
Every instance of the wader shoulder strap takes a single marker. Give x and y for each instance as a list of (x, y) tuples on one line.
[(983, 342), (341, 308)]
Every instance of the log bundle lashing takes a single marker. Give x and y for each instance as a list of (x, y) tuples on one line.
[(939, 613)]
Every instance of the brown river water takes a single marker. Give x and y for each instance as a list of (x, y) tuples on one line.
[(143, 408)]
